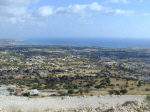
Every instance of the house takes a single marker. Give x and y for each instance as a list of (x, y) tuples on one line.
[(18, 92), (24, 89), (33, 92)]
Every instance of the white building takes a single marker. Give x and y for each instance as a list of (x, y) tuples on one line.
[(33, 92)]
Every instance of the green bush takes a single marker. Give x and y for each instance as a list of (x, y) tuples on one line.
[(117, 84), (147, 89), (87, 90), (80, 91), (26, 94), (62, 93), (70, 91), (114, 92), (123, 91)]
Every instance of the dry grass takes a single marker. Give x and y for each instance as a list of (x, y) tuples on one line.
[(98, 92), (138, 92), (90, 49)]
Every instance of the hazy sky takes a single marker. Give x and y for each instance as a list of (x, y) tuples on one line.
[(75, 18)]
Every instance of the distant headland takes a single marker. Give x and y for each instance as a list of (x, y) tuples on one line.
[(10, 41)]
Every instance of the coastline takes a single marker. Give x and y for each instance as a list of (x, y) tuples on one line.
[(109, 43)]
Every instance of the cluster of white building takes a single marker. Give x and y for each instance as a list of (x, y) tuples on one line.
[(9, 90)]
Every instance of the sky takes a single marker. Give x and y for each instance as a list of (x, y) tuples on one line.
[(74, 18)]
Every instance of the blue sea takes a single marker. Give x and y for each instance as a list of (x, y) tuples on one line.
[(104, 42)]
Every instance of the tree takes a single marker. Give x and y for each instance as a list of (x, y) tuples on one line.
[(124, 91), (87, 90), (139, 84), (70, 91), (108, 80), (115, 92), (80, 90), (26, 94), (35, 86)]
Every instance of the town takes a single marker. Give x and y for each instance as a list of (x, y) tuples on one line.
[(59, 70)]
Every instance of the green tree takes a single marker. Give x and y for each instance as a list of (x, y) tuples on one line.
[(108, 80), (70, 91), (80, 90), (139, 83), (123, 91), (87, 90)]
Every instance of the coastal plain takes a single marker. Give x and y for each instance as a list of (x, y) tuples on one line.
[(73, 78)]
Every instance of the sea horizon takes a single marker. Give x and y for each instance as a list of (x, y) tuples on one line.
[(104, 42)]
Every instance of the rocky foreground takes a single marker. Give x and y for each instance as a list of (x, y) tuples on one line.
[(107, 103)]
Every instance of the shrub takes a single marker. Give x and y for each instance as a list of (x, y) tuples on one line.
[(147, 89), (87, 90), (80, 91), (126, 86), (70, 91), (26, 94), (132, 88), (111, 85), (117, 84), (115, 92), (123, 91), (53, 95), (62, 93)]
